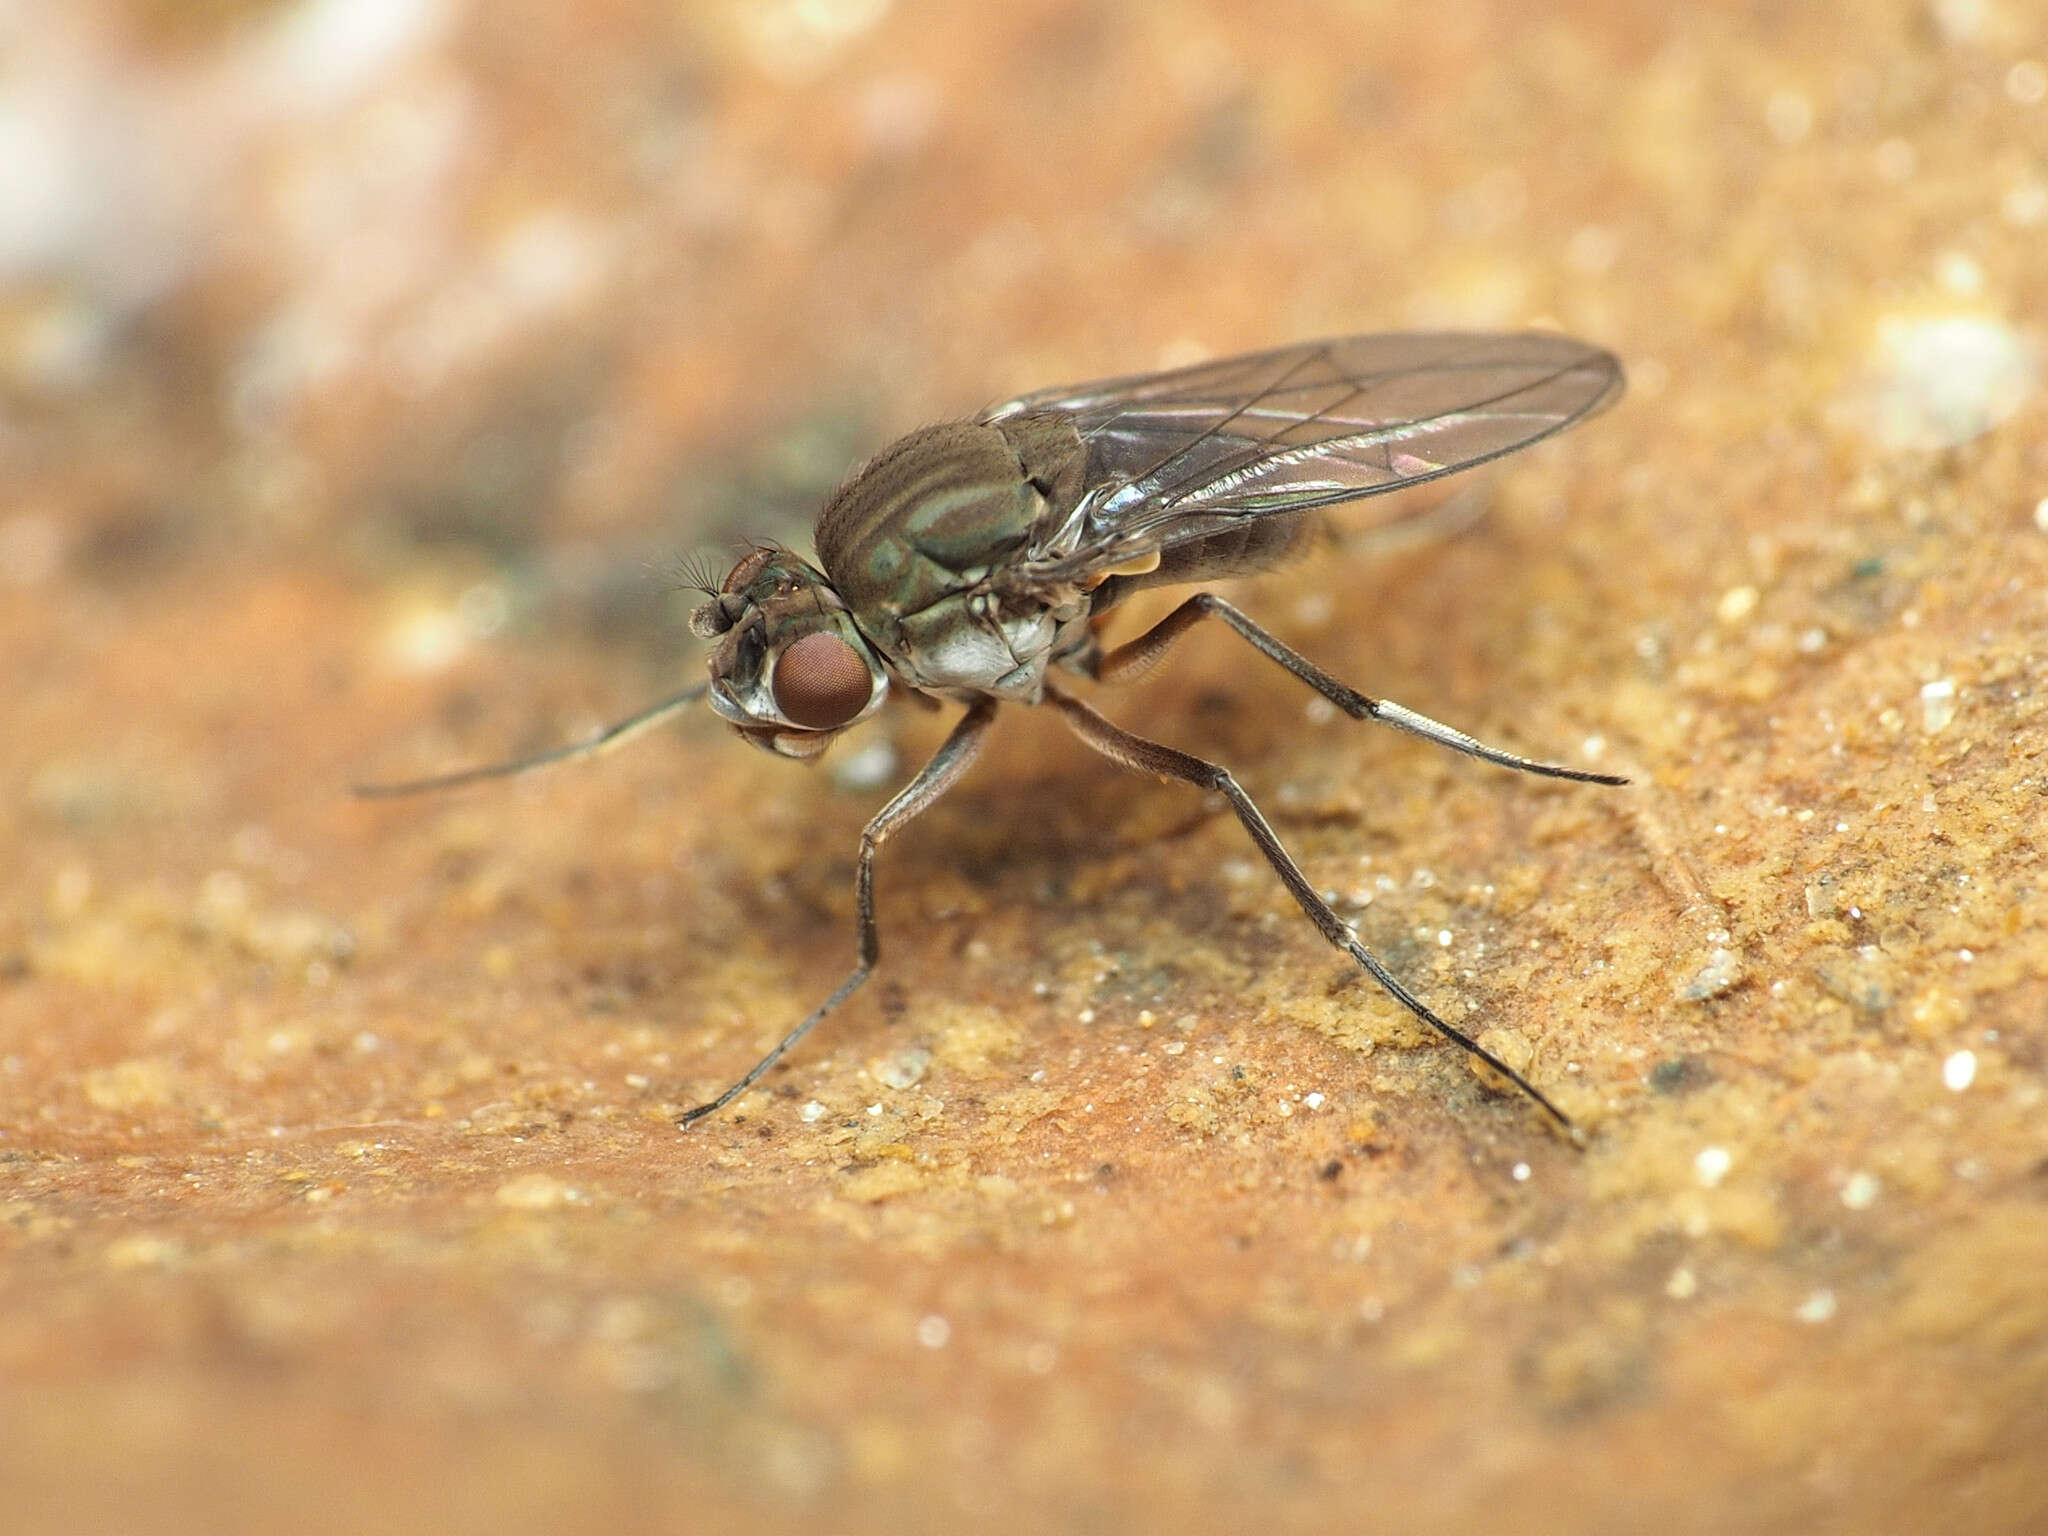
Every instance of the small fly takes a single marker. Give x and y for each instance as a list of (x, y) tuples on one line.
[(970, 562)]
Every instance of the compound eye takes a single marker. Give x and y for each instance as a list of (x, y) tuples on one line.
[(821, 682)]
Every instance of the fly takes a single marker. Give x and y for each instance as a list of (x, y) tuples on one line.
[(971, 562)]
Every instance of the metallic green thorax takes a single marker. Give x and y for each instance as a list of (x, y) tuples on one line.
[(917, 542)]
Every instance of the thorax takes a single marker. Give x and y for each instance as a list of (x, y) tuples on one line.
[(919, 543)]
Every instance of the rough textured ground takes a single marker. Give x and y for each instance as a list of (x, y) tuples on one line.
[(367, 369)]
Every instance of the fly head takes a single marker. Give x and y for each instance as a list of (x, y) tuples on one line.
[(790, 670)]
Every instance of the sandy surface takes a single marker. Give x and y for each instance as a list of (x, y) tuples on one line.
[(367, 371)]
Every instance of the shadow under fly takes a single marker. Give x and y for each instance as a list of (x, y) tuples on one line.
[(968, 561)]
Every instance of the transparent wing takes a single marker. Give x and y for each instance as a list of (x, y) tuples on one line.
[(1186, 454)]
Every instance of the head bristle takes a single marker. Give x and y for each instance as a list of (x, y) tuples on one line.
[(695, 573)]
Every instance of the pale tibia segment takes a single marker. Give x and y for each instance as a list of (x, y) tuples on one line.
[(1404, 719)]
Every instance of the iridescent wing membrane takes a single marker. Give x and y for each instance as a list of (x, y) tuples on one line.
[(1178, 456)]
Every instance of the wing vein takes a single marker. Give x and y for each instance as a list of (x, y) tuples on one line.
[(1179, 456)]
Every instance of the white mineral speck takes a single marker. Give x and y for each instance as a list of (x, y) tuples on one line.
[(1959, 274), (1936, 381), (324, 50), (813, 1112), (1937, 704), (2025, 204), (1960, 21), (1520, 1173), (535, 1192), (1737, 604), (1817, 1308), (1682, 1285), (933, 1331), (1711, 1166), (904, 1068), (1861, 1190), (1312, 610), (427, 639), (1723, 969), (1959, 1071), (868, 766)]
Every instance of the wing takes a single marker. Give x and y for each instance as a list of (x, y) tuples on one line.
[(1180, 456)]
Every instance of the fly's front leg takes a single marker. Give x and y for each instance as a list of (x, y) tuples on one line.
[(1150, 757), (932, 781), (1139, 656)]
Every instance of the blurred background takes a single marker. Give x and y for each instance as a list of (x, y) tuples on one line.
[(369, 369)]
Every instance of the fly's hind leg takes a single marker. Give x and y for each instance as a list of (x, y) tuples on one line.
[(1139, 656), (1150, 757), (933, 780)]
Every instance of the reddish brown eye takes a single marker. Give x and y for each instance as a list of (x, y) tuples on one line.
[(822, 682)]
